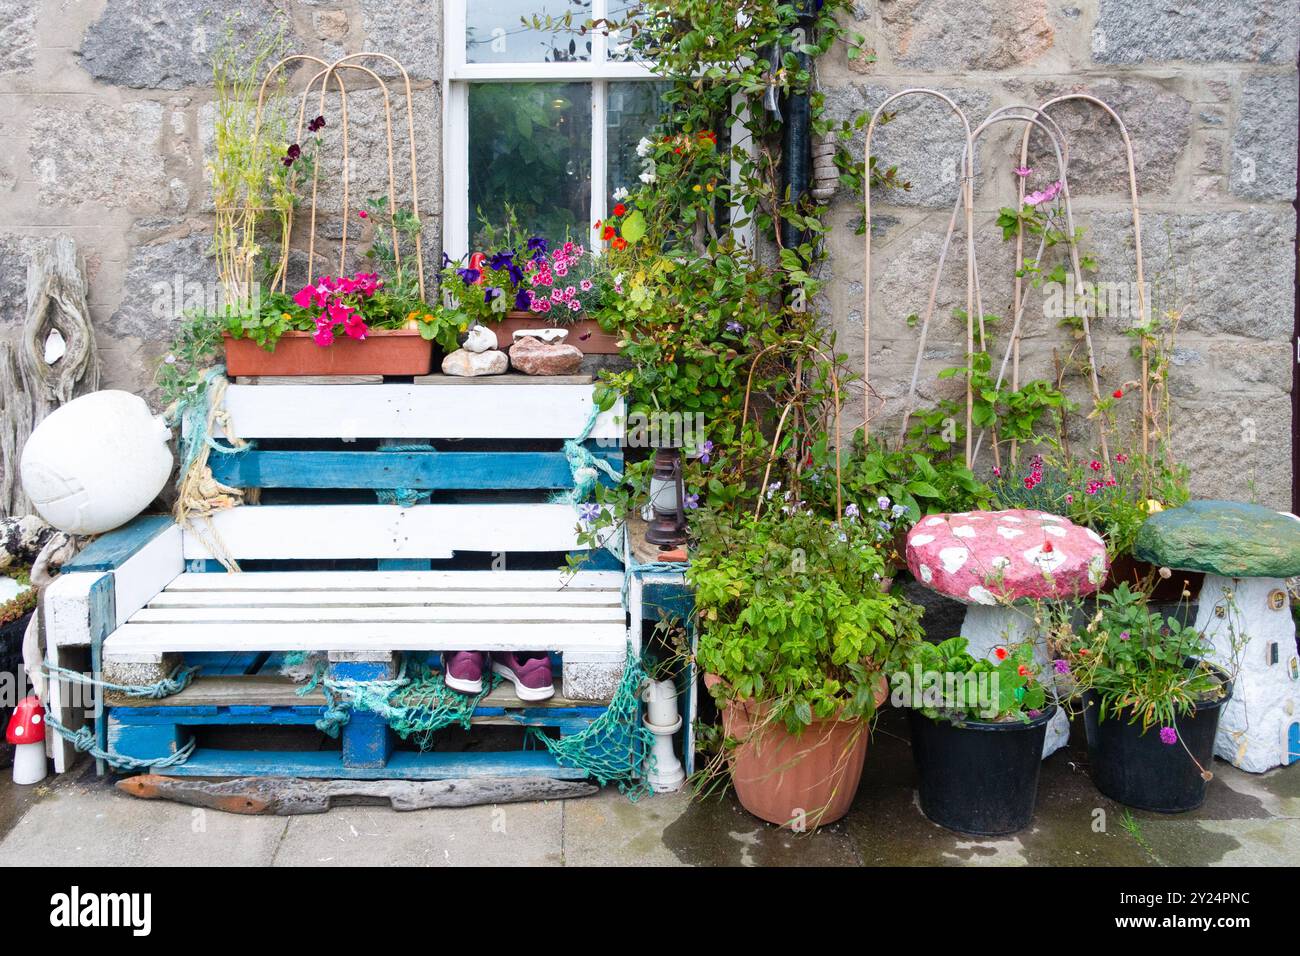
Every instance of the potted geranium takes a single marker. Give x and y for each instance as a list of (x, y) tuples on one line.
[(1151, 702), (530, 285), (339, 325), (795, 632), (977, 734)]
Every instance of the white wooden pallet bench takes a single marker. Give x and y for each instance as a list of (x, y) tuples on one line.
[(327, 569)]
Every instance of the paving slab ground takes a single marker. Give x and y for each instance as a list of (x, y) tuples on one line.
[(81, 820)]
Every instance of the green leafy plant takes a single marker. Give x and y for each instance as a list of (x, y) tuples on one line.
[(947, 683), (791, 612), (24, 602), (1144, 666)]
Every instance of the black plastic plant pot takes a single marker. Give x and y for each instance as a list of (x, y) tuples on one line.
[(1139, 769), (979, 777)]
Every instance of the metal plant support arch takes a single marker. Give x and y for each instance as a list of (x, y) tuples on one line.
[(1004, 114), (1037, 118), (966, 200), (328, 72), (1147, 414)]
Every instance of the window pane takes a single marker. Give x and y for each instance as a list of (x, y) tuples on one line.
[(530, 150), (495, 31), (632, 110)]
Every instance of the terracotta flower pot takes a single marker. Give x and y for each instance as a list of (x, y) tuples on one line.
[(382, 352), (785, 778), (584, 334)]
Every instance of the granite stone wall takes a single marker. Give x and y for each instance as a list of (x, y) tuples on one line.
[(105, 122), (1207, 90)]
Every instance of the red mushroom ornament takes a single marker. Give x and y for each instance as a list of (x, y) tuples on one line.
[(992, 560), (27, 733)]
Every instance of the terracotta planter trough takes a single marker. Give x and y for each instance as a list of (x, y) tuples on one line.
[(382, 352)]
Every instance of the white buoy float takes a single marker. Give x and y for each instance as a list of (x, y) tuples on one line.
[(96, 462)]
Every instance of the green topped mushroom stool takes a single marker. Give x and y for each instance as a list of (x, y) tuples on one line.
[(1247, 553)]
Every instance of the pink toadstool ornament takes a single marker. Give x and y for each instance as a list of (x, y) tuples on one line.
[(27, 733), (990, 560)]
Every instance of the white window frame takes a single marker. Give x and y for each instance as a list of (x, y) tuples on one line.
[(458, 74)]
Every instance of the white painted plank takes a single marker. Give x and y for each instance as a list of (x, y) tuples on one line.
[(431, 599), (70, 712), (497, 581), (388, 531), (499, 410), (578, 642), (67, 609), (145, 573), (377, 615)]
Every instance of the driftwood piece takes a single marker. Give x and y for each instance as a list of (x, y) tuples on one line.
[(56, 302), (15, 427), (289, 796), (55, 360)]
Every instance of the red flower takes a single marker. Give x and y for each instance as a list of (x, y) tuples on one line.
[(1000, 653), (711, 136), (620, 243), (620, 209), (1095, 465), (1118, 393), (608, 233), (1047, 547), (597, 225), (1022, 670)]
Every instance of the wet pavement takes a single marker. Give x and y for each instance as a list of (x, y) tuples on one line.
[(1247, 819)]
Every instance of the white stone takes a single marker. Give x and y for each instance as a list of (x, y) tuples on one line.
[(470, 364), (1256, 721), (480, 339), (55, 347), (986, 627), (546, 335)]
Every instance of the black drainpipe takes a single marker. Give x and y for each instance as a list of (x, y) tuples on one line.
[(796, 144)]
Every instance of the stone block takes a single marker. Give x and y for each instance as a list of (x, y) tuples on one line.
[(1264, 141), (1206, 31)]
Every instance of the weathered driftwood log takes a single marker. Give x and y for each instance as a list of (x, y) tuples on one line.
[(15, 426), (56, 359), (57, 370), (288, 796)]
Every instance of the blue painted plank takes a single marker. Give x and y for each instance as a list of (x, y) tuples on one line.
[(418, 470), (111, 550), (103, 619), (402, 765), (367, 738)]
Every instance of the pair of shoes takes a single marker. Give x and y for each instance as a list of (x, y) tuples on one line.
[(529, 671)]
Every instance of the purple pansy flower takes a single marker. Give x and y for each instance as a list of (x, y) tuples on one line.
[(503, 259)]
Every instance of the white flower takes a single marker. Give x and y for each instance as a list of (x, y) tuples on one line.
[(170, 360), (621, 192), (647, 177), (643, 147), (883, 503)]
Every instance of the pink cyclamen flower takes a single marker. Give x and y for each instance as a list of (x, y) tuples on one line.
[(1022, 171)]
